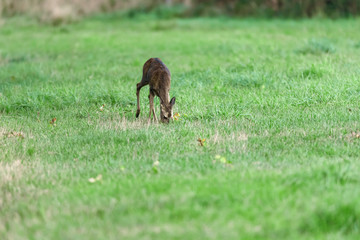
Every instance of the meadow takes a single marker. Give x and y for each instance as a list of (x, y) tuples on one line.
[(275, 104)]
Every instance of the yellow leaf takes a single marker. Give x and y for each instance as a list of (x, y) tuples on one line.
[(177, 116), (92, 180), (98, 178), (223, 160), (201, 141)]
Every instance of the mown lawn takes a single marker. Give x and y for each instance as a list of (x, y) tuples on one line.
[(276, 102)]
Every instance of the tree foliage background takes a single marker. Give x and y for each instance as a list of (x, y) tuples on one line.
[(58, 9)]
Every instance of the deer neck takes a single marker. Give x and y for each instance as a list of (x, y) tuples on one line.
[(164, 99)]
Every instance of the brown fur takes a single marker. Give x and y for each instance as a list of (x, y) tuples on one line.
[(157, 75)]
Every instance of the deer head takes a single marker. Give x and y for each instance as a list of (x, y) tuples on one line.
[(166, 110)]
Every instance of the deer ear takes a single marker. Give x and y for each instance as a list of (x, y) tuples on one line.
[(172, 101)]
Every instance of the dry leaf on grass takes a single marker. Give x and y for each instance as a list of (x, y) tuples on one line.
[(15, 134), (177, 116), (222, 160), (52, 122), (201, 141), (351, 136), (98, 178)]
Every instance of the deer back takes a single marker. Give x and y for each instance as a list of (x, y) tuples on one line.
[(158, 76)]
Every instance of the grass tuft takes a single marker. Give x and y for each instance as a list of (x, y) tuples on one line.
[(317, 47)]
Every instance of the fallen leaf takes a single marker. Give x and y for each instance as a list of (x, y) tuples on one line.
[(92, 180), (52, 122), (222, 160), (98, 178), (15, 134), (201, 141), (177, 116), (102, 107)]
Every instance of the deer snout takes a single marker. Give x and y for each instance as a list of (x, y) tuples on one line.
[(165, 120)]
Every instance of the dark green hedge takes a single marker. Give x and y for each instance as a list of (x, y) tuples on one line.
[(188, 8), (273, 8)]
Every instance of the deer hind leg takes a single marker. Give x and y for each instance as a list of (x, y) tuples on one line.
[(138, 87)]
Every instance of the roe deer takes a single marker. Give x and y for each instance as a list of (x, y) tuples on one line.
[(157, 75)]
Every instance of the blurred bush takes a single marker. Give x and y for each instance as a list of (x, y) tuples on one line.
[(68, 10), (277, 8), (57, 11)]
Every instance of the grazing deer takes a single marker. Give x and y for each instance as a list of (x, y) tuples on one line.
[(157, 75)]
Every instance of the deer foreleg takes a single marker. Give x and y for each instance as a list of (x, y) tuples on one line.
[(152, 109)]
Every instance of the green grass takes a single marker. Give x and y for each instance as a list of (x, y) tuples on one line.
[(277, 100)]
